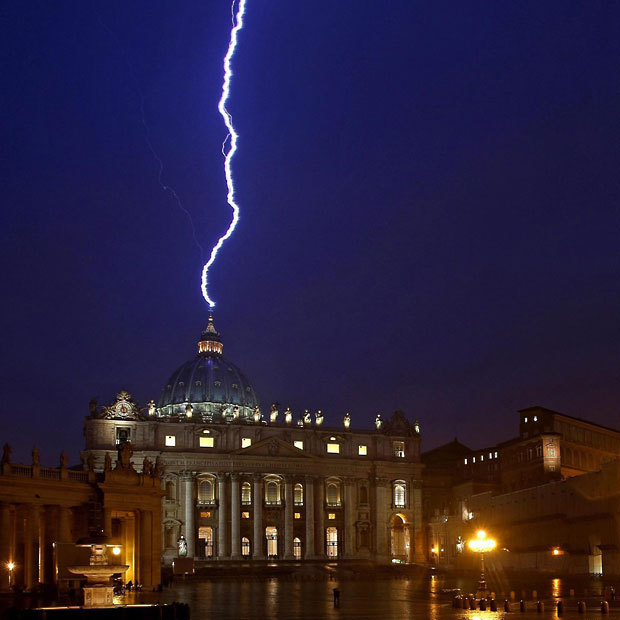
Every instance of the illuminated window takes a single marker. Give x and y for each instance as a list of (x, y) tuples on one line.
[(399, 494), (535, 418), (333, 448), (246, 442), (299, 445), (298, 515), (171, 440), (297, 548), (551, 451), (496, 455), (205, 515), (525, 420), (473, 459), (206, 492), (245, 547), (272, 491), (490, 455), (298, 494), (399, 449), (246, 493), (482, 457), (362, 450), (465, 461), (245, 515), (123, 435), (331, 516), (207, 442), (333, 494)]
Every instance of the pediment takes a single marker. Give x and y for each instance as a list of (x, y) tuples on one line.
[(273, 447)]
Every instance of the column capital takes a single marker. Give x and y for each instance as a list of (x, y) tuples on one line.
[(310, 479), (235, 476), (349, 480), (222, 475), (186, 476), (258, 477), (382, 482)]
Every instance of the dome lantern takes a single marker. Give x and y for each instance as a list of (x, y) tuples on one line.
[(210, 341)]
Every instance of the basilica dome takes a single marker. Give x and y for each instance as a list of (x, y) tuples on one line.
[(208, 386)]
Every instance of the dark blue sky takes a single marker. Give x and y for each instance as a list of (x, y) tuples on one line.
[(430, 208)]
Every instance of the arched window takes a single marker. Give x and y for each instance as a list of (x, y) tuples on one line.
[(298, 495), (297, 548), (399, 494), (272, 492), (363, 495), (333, 494), (245, 547), (206, 492), (170, 490), (246, 493)]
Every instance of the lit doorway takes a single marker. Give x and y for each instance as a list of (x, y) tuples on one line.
[(245, 547), (205, 533), (331, 537), (271, 533), (399, 535), (297, 548)]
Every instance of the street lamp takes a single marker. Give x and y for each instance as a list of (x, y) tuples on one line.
[(10, 566), (481, 544)]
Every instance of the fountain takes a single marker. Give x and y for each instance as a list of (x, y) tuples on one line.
[(98, 592)]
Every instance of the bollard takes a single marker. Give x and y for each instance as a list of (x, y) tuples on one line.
[(604, 607), (513, 596), (534, 595), (492, 595), (581, 607), (560, 608), (472, 603), (521, 605), (483, 604), (540, 607), (506, 605), (493, 605)]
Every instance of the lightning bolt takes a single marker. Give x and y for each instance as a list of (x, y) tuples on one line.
[(229, 146)]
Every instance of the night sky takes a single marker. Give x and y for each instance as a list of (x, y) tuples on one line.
[(430, 209)]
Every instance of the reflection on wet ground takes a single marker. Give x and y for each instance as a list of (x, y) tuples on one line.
[(380, 594)]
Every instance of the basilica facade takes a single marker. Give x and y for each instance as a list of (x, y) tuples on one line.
[(239, 484)]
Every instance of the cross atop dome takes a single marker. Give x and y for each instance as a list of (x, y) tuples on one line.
[(210, 341)]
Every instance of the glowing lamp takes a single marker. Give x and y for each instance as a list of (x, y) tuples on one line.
[(481, 544), (116, 550), (10, 565)]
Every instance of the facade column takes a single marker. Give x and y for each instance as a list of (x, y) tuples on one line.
[(258, 544), (288, 518), (381, 525), (31, 534), (188, 529), (416, 537), (320, 519), (235, 516), (309, 502), (350, 517), (222, 520), (6, 551), (107, 521)]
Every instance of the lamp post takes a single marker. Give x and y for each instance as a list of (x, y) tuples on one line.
[(481, 544)]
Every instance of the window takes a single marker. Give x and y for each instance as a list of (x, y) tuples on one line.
[(331, 535), (551, 451), (205, 514), (473, 459), (271, 533), (245, 515), (170, 491), (206, 493), (399, 494), (272, 492), (297, 548), (171, 440), (496, 455), (399, 449), (333, 448), (331, 516), (465, 461), (535, 418), (123, 435), (482, 457), (298, 495), (245, 547), (490, 455), (362, 450), (298, 515), (207, 442), (525, 420), (333, 494), (363, 495), (246, 442), (299, 445), (246, 493)]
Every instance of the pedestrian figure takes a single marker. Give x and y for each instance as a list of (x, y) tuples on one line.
[(336, 597)]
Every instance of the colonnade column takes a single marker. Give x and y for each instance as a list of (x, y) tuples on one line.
[(309, 501), (320, 518), (288, 518), (64, 524), (235, 524), (31, 533), (146, 555), (221, 516), (381, 531), (416, 540), (6, 553), (258, 552), (187, 481), (350, 510)]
